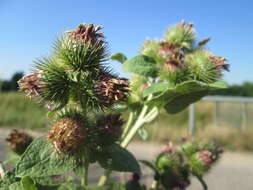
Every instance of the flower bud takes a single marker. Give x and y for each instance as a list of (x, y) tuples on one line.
[(86, 33), (168, 160), (169, 148), (19, 141), (31, 84), (206, 157), (220, 62), (174, 59), (201, 162), (182, 34), (111, 90), (108, 128), (201, 67), (150, 48), (68, 135)]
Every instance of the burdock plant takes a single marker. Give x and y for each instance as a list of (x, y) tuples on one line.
[(86, 101)]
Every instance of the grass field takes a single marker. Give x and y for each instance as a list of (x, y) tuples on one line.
[(17, 111)]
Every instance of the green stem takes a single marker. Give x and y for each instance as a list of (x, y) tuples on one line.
[(104, 178), (128, 125), (139, 122), (154, 185), (132, 132), (203, 183), (86, 174), (128, 134)]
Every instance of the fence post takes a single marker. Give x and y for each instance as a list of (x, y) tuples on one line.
[(244, 116), (191, 128), (216, 113)]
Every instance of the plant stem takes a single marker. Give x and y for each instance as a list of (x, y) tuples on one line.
[(132, 132), (86, 174), (104, 178), (139, 122), (128, 134), (128, 125), (203, 183)]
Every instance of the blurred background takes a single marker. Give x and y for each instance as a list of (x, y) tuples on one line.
[(28, 29)]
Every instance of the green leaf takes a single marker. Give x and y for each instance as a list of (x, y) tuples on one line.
[(119, 159), (7, 180), (40, 159), (70, 186), (28, 183), (16, 186), (179, 103), (13, 158), (50, 114), (48, 181), (218, 85), (180, 97), (155, 88), (141, 65), (120, 57)]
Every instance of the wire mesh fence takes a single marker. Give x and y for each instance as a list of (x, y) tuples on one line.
[(219, 111)]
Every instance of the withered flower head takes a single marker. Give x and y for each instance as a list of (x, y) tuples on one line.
[(86, 33), (187, 138), (111, 90), (67, 135), (220, 62), (182, 23), (31, 84), (109, 128), (169, 148), (174, 59), (204, 41), (167, 48), (206, 157), (19, 141)]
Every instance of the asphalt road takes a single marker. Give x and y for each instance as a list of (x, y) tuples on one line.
[(233, 172)]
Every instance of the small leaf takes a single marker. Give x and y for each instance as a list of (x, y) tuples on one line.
[(50, 114), (120, 57), (16, 186), (28, 183), (143, 133), (155, 88), (119, 159), (141, 65), (40, 159)]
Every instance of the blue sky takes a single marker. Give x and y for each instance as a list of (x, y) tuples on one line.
[(28, 28)]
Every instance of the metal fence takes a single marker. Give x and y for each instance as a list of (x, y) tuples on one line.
[(226, 110)]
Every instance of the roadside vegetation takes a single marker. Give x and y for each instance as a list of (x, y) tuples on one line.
[(18, 112)]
